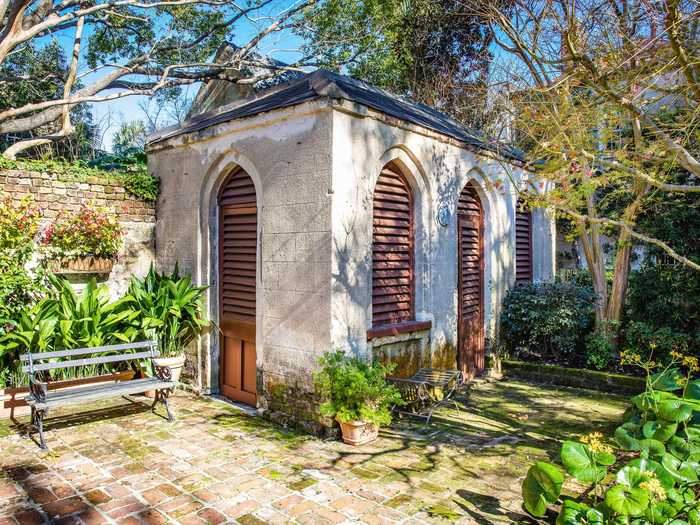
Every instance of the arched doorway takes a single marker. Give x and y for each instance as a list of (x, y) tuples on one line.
[(238, 241), (470, 256)]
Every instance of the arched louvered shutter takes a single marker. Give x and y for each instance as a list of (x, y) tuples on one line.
[(238, 244), (392, 249), (470, 232), (523, 243)]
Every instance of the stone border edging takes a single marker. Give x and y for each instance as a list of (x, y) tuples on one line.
[(574, 377)]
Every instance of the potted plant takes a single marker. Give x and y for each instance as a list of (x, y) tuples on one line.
[(356, 394), (86, 241), (170, 313)]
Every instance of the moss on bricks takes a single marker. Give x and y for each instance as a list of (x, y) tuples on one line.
[(574, 377)]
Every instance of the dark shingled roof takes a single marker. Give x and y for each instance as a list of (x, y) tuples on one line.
[(322, 83)]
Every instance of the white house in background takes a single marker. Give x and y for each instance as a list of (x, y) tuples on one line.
[(326, 213)]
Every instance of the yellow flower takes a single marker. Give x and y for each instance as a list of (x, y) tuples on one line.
[(594, 440), (691, 363), (653, 486)]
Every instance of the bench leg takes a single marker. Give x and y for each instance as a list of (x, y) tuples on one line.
[(38, 422), (162, 397), (167, 409)]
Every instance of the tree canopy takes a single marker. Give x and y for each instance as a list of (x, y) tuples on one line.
[(433, 51), (127, 47)]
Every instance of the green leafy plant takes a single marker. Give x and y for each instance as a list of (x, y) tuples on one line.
[(89, 232), (19, 223), (547, 321), (599, 353), (649, 476), (64, 320), (354, 389), (131, 168), (170, 309)]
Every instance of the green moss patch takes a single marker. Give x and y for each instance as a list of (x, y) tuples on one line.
[(574, 377)]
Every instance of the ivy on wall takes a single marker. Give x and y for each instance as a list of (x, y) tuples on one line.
[(129, 170)]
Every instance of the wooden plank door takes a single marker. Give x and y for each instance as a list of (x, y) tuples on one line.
[(238, 242), (470, 245)]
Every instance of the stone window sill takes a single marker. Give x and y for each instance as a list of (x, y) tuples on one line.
[(388, 330)]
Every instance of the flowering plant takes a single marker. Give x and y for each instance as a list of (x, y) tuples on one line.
[(19, 223), (89, 232), (19, 287), (648, 472)]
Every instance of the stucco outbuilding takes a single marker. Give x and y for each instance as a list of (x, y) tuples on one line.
[(327, 214)]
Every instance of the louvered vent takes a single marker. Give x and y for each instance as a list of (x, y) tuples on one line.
[(392, 249), (523, 243), (469, 215), (238, 247)]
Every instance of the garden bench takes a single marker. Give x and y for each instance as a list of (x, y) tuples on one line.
[(418, 391), (41, 399)]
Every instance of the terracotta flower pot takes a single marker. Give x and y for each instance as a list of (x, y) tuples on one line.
[(358, 432), (83, 265)]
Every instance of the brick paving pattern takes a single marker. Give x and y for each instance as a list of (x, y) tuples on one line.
[(118, 463)]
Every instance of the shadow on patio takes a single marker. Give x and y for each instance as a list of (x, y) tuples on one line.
[(120, 463)]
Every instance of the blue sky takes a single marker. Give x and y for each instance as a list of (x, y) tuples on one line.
[(111, 114)]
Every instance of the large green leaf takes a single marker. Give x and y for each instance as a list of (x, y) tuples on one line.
[(660, 513), (660, 430), (648, 401), (656, 468), (679, 447), (541, 487), (627, 501), (668, 380), (578, 460), (624, 437), (675, 410), (653, 447), (574, 513), (682, 471), (680, 497), (630, 476), (692, 391)]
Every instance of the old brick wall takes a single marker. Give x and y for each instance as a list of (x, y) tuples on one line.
[(55, 193)]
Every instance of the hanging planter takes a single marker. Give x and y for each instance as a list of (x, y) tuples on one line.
[(101, 265)]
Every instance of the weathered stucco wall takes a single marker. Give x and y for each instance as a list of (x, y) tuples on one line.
[(53, 194), (437, 169), (287, 154)]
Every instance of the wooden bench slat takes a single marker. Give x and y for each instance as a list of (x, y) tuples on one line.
[(82, 395), (40, 356), (89, 361)]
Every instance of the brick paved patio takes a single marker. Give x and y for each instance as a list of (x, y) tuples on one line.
[(120, 464)]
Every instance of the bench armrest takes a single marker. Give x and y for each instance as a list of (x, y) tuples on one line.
[(164, 373), (37, 388)]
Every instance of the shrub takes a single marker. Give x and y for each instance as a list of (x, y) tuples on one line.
[(547, 321), (90, 232), (648, 473), (663, 340), (170, 309), (355, 390), (662, 307), (599, 352)]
